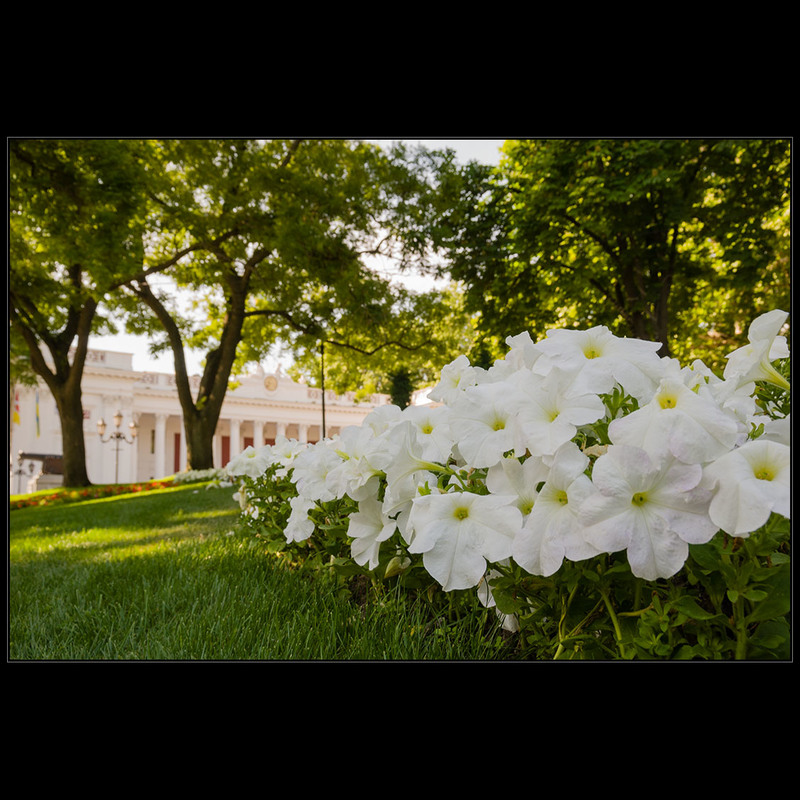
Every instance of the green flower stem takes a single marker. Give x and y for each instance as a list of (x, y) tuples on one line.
[(565, 607), (614, 621), (565, 604), (635, 613), (741, 629)]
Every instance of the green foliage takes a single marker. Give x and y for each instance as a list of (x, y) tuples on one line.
[(401, 387), (731, 601), (415, 332), (266, 509), (273, 237), (77, 220), (667, 240)]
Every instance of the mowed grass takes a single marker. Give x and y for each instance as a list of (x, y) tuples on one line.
[(167, 576)]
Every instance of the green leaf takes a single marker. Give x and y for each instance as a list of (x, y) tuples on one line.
[(773, 637), (778, 600), (705, 555), (692, 609)]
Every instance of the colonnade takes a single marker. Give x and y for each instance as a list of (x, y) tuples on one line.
[(232, 436)]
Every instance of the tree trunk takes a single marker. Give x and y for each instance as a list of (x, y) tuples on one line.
[(662, 316), (199, 429), (64, 381), (70, 411), (200, 415)]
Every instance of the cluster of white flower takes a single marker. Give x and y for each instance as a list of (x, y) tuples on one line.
[(506, 466)]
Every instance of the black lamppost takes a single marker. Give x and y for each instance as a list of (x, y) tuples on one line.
[(20, 471), (322, 371), (117, 436)]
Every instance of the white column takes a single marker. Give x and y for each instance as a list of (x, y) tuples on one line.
[(281, 428), (216, 445), (258, 434), (302, 435), (235, 438), (183, 447), (161, 446)]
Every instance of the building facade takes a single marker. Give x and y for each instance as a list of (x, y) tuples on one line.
[(260, 407)]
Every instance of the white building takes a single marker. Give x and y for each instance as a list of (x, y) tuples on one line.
[(260, 408)]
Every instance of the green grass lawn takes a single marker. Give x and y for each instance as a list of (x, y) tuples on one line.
[(166, 575)]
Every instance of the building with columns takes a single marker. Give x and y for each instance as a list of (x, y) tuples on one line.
[(260, 407)]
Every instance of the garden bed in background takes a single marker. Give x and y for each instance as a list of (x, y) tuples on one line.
[(49, 497)]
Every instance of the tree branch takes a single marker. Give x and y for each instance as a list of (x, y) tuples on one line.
[(313, 330)]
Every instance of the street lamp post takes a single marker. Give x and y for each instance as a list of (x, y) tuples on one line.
[(19, 472), (117, 436), (322, 372)]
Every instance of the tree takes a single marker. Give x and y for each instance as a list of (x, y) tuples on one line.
[(618, 232), (278, 232), (408, 343), (75, 228)]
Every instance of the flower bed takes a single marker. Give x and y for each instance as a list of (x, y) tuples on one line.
[(608, 503), (68, 495)]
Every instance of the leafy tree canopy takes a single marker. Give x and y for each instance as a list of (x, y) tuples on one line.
[(76, 217), (663, 239), (275, 238), (414, 336)]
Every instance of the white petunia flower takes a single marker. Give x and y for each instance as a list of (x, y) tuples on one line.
[(486, 421), (652, 507), (509, 622), (400, 455), (749, 484), (523, 353), (458, 532), (454, 379), (753, 362), (356, 475), (284, 451), (382, 418), (693, 427), (368, 527), (251, 462), (550, 412), (518, 479), (299, 526), (599, 359), (431, 426), (552, 531), (776, 430), (312, 468)]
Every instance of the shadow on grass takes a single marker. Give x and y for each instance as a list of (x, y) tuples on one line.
[(107, 527)]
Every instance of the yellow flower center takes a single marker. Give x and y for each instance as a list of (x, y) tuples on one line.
[(561, 497), (590, 352), (764, 473), (427, 428), (499, 425), (461, 513), (639, 499), (667, 400), (526, 508)]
